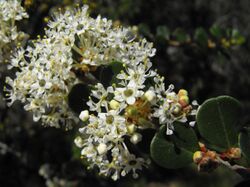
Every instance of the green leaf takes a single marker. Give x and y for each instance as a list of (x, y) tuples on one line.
[(218, 121), (216, 31), (237, 38), (116, 67), (235, 33), (181, 35), (162, 32), (201, 37), (108, 73), (240, 40), (244, 142), (145, 30), (174, 151), (78, 93)]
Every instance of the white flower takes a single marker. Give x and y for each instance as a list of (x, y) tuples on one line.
[(133, 164), (128, 93), (97, 41), (89, 151), (100, 93), (123, 108), (173, 107), (11, 11), (104, 135), (74, 42), (43, 82)]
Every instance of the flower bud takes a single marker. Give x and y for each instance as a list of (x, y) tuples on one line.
[(211, 154), (236, 153), (202, 147), (177, 109), (197, 156), (182, 92), (84, 115), (206, 161), (131, 128), (78, 141), (233, 153), (145, 123), (114, 104), (207, 164), (101, 148), (132, 111), (166, 106), (135, 138), (150, 95), (184, 100)]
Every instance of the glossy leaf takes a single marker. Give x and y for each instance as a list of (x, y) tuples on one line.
[(79, 93), (108, 73), (218, 121), (116, 67), (174, 151)]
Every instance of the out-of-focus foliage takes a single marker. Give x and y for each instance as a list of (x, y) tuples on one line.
[(202, 46)]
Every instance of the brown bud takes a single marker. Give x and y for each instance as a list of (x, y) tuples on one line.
[(184, 100), (207, 164), (233, 153)]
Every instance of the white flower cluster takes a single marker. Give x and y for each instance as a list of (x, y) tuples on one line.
[(121, 111), (73, 42), (10, 12), (44, 81), (174, 107), (97, 41)]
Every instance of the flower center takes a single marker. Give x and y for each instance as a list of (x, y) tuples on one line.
[(42, 83), (140, 109), (128, 92), (109, 119)]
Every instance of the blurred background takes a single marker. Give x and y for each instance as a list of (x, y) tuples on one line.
[(202, 46)]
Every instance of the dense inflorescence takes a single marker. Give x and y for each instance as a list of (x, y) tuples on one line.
[(132, 104), (73, 42), (11, 11), (136, 98)]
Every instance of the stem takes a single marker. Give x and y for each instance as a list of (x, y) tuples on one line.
[(243, 171), (92, 78), (77, 50)]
